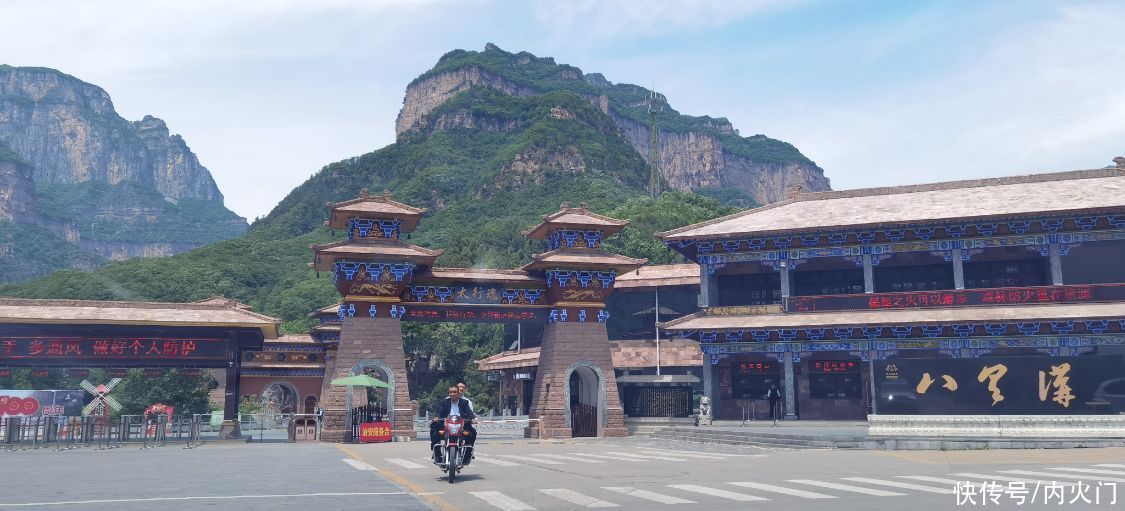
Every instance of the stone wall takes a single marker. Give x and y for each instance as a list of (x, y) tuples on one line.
[(565, 344), (366, 339)]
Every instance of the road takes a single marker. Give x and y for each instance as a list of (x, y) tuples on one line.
[(517, 475)]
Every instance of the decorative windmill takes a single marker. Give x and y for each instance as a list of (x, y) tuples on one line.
[(102, 400)]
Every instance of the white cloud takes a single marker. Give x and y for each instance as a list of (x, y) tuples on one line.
[(581, 20), (1044, 97)]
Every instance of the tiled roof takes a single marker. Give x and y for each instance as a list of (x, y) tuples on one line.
[(373, 206), (591, 259), (1088, 190), (326, 255), (213, 312), (700, 321), (580, 218), (648, 277)]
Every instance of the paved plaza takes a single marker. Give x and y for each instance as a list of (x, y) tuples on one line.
[(512, 475)]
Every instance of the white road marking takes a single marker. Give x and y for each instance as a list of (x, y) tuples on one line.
[(602, 456), (847, 487), (1090, 470), (644, 456), (688, 455), (530, 459), (501, 501), (493, 461), (715, 492), (987, 478), (784, 490), (934, 479), (571, 458), (209, 497), (723, 454), (404, 463), (900, 484), (358, 465), (1057, 476), (648, 495), (577, 498)]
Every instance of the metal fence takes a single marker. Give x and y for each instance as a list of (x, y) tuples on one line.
[(62, 433), (492, 426)]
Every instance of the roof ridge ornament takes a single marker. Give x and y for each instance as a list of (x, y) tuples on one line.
[(1120, 161), (363, 193)]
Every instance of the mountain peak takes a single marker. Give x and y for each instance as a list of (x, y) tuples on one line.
[(695, 152)]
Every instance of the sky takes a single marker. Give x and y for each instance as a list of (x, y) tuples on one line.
[(267, 92)]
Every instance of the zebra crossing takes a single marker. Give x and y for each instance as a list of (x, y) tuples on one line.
[(896, 486), (579, 458)]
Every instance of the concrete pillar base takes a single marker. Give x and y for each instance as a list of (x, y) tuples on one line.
[(230, 430)]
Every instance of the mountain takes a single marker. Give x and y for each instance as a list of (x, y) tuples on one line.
[(84, 186), (695, 153), (488, 158)]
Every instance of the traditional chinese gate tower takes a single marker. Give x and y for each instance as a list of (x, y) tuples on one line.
[(371, 269), (579, 277)]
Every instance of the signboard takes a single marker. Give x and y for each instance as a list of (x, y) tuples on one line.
[(754, 367), (47, 349), (523, 376), (4, 373), (834, 366), (743, 310), (154, 373), (1020, 385), (78, 373), (117, 373), (482, 314), (958, 298), (374, 432), (29, 403), (473, 293)]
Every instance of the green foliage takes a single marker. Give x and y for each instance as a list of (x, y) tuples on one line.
[(543, 75), (647, 216), (29, 251), (8, 155), (124, 213), (188, 394), (729, 196), (457, 346)]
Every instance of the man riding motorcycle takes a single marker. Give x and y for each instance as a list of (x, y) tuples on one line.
[(453, 405)]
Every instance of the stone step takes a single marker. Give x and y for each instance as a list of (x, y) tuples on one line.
[(748, 439)]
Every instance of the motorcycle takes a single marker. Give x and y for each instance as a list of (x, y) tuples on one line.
[(453, 437)]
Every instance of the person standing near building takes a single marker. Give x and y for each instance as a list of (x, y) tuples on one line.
[(774, 397)]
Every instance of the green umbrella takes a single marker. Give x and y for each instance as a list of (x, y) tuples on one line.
[(361, 380)]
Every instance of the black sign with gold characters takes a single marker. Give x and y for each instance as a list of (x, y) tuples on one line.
[(1012, 385)]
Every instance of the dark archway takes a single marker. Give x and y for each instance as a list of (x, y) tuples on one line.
[(585, 404)]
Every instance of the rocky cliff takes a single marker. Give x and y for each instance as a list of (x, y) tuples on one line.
[(695, 153), (71, 167), (69, 132)]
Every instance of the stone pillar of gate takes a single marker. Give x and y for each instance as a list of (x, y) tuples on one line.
[(371, 269), (579, 277), (366, 339)]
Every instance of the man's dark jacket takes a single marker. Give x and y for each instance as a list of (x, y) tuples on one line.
[(447, 404)]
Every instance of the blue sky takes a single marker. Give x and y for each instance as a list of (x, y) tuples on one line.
[(876, 92)]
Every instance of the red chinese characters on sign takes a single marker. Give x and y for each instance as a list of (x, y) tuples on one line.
[(755, 367), (375, 432), (959, 298), (86, 348), (834, 366)]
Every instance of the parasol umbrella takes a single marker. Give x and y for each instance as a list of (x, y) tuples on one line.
[(361, 380)]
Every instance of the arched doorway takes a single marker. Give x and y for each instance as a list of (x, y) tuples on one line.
[(310, 404), (278, 398), (380, 401), (585, 402)]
